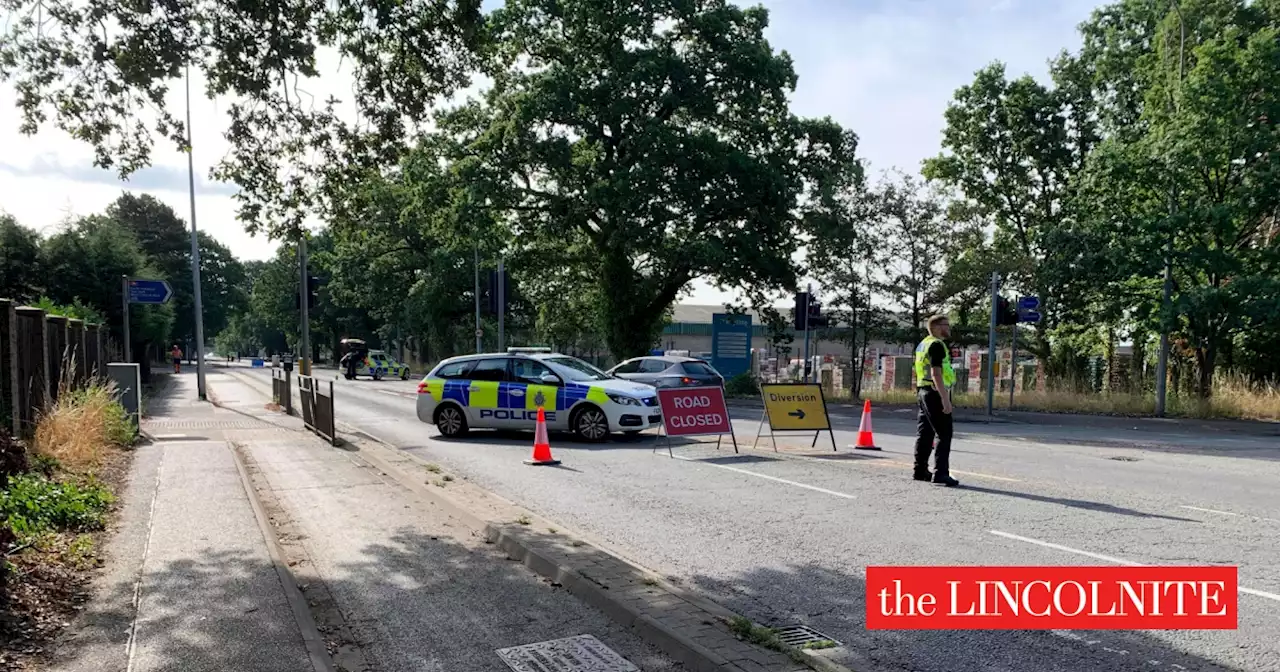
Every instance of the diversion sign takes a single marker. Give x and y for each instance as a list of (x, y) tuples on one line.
[(795, 408)]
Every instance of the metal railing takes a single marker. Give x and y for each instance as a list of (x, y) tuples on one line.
[(280, 390), (317, 407)]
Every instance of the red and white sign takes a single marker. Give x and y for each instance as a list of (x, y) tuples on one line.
[(1051, 598), (692, 411)]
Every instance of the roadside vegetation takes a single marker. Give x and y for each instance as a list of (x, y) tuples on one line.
[(56, 494)]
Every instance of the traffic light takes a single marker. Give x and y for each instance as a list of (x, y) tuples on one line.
[(1005, 312), (802, 309), (491, 291), (816, 319), (313, 291)]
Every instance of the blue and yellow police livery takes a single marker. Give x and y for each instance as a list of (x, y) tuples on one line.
[(504, 391)]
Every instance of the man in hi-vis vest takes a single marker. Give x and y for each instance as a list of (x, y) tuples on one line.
[(933, 364)]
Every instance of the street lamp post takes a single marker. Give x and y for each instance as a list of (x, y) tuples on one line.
[(195, 250)]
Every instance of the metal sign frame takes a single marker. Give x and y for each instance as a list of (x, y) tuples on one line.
[(764, 417)]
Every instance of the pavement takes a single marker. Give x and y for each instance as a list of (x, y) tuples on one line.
[(246, 543), (189, 581), (784, 537)]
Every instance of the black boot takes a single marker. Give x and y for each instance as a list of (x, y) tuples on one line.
[(940, 478), (921, 475)]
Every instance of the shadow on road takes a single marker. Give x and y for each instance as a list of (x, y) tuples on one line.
[(1077, 504), (834, 603)]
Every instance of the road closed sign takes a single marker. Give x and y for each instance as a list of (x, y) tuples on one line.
[(692, 411), (795, 407)]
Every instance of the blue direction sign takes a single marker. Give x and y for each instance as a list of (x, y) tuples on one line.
[(1028, 316), (149, 291), (1029, 303)]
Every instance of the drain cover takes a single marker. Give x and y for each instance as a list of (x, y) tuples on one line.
[(1123, 458), (799, 635), (583, 653)]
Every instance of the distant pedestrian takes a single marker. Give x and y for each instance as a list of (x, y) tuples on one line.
[(933, 363), (176, 353)]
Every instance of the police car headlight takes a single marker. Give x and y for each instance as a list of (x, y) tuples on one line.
[(625, 401)]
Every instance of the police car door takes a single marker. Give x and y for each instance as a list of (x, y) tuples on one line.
[(484, 395), (527, 391)]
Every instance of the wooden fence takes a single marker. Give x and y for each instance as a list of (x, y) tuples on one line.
[(39, 354)]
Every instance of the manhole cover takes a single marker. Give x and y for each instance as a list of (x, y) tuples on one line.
[(800, 635), (1123, 458), (583, 653)]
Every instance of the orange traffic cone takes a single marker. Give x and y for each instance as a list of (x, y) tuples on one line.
[(865, 441), (541, 446)]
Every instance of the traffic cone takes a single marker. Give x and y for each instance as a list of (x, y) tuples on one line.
[(541, 446), (865, 441)]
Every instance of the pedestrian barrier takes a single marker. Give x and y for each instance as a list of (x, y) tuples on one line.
[(280, 390), (317, 407)]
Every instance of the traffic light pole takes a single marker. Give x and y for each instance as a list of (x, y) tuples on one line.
[(808, 289), (502, 302), (304, 297), (479, 333), (991, 343), (1013, 364)]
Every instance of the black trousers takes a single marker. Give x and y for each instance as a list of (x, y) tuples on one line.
[(931, 422)]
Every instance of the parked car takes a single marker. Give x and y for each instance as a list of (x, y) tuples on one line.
[(668, 371)]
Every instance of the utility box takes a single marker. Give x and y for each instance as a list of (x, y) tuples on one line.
[(128, 380)]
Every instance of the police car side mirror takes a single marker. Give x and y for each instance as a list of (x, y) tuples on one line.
[(549, 379)]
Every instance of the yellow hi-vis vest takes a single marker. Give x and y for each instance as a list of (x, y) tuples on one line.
[(924, 376)]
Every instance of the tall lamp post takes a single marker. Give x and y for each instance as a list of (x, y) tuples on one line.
[(195, 249)]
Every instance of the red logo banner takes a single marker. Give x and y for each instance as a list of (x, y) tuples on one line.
[(1051, 598), (690, 411)]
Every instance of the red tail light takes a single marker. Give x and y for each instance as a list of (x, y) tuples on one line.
[(688, 381)]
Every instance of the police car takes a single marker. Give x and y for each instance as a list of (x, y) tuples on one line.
[(504, 391)]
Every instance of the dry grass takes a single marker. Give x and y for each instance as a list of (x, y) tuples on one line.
[(1233, 398), (80, 426)]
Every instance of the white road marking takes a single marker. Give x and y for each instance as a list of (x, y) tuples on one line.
[(806, 486), (1221, 513), (1228, 513), (393, 393), (1118, 561)]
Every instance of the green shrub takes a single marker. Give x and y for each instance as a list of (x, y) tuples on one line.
[(33, 504), (742, 385)]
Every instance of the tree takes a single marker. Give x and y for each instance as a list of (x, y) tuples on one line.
[(102, 70), (915, 235), (1012, 149), (166, 240), (658, 132), (20, 275), (85, 263), (1195, 173)]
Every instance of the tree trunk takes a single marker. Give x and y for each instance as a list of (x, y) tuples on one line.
[(1206, 359)]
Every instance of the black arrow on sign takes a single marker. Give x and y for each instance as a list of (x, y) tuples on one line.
[(799, 413)]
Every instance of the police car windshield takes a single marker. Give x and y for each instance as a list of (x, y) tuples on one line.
[(576, 369)]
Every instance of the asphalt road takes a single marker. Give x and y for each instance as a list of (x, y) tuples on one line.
[(784, 537)]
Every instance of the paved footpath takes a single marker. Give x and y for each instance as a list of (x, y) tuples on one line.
[(246, 543), (189, 582)]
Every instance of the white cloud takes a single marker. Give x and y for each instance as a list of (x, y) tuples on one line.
[(884, 68)]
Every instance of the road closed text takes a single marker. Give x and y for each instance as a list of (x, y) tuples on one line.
[(1057, 598), (694, 410)]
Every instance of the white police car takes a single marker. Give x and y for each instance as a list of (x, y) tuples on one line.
[(504, 391)]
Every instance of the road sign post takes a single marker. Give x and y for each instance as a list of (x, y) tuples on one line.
[(147, 292), (991, 343), (794, 408)]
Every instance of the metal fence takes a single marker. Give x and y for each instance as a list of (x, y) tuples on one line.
[(280, 390), (317, 407)]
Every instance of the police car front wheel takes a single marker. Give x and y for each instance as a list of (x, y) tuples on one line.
[(450, 421), (590, 424)]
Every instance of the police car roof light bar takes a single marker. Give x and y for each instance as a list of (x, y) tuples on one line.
[(518, 350)]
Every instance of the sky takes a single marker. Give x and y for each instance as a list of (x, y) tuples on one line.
[(883, 68)]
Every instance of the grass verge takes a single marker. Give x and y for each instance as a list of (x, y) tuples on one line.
[(56, 497)]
